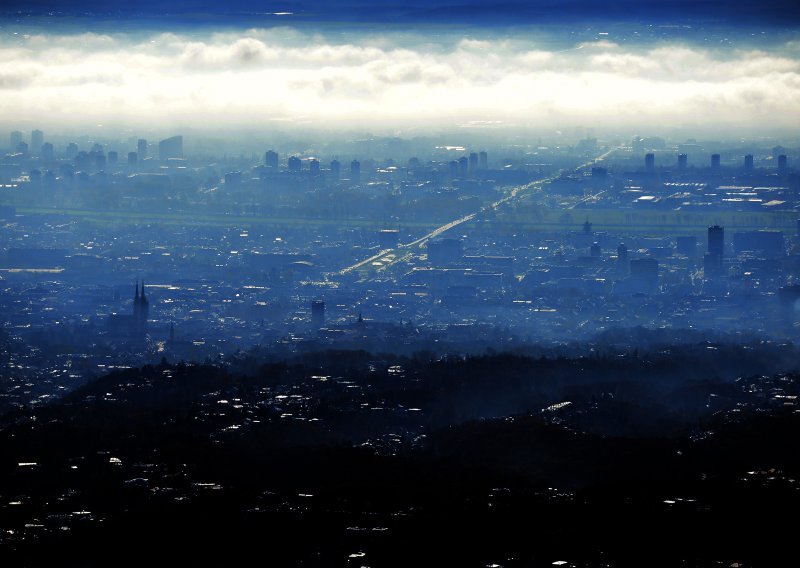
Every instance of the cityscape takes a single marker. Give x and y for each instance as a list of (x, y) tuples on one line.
[(392, 285), (454, 251)]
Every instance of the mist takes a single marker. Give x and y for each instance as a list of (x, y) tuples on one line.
[(391, 284)]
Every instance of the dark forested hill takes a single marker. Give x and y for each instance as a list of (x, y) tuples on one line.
[(350, 459)]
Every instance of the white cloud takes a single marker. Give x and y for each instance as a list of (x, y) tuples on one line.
[(261, 76)]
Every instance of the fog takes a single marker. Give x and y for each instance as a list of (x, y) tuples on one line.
[(393, 81)]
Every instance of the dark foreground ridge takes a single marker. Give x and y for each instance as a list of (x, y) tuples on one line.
[(663, 458)]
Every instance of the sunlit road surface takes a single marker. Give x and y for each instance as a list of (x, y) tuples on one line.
[(388, 257)]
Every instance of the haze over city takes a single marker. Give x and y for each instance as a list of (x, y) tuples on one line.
[(399, 284)]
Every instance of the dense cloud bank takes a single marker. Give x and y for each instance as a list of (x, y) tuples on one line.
[(392, 80)]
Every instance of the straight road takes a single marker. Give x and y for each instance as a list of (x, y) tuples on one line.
[(388, 257)]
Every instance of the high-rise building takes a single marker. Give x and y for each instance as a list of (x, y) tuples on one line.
[(71, 151), (113, 157), (355, 171), (683, 161), (716, 240), (141, 148), (37, 139), (317, 314), (336, 169), (782, 164), (133, 158), (483, 160), (294, 164), (453, 165), (622, 259), (22, 148), (473, 163), (170, 148), (48, 153), (715, 162), (650, 162), (463, 167), (313, 166), (271, 159), (15, 138), (748, 163)]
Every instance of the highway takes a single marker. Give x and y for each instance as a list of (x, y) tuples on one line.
[(389, 257)]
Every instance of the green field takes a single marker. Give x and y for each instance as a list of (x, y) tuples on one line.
[(539, 219), (650, 221), (207, 220)]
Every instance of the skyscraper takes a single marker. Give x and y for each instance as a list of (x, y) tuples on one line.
[(782, 164), (716, 240), (683, 161), (748, 163), (473, 163), (650, 162), (622, 252), (271, 159), (453, 165), (141, 148), (37, 139), (313, 166), (483, 161), (47, 152), (336, 169), (15, 139), (355, 171), (317, 314), (715, 161), (294, 164), (622, 259), (463, 167)]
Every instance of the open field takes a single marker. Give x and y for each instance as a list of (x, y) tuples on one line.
[(655, 221)]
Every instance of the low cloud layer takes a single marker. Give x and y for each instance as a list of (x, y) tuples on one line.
[(261, 77)]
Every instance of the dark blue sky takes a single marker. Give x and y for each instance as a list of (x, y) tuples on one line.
[(438, 11)]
